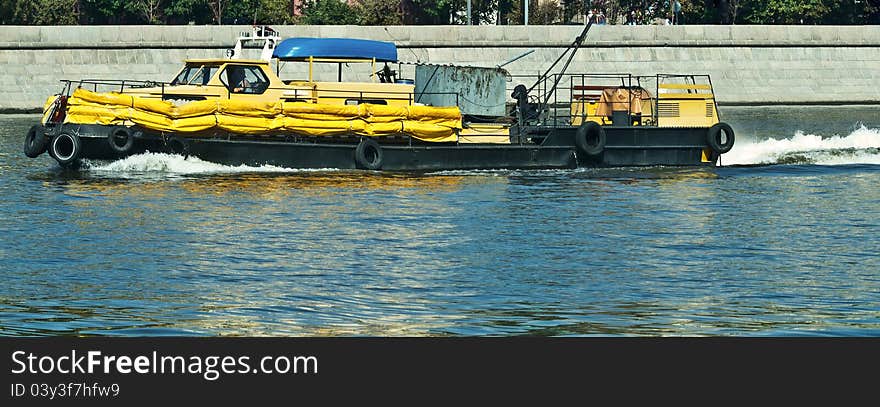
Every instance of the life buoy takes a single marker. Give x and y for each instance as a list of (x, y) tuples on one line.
[(121, 139), (590, 138), (35, 142), (65, 148), (177, 145), (368, 154), (720, 137)]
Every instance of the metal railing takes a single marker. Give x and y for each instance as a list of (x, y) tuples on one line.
[(164, 90), (568, 104)]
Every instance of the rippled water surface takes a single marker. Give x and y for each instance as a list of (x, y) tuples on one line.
[(783, 243)]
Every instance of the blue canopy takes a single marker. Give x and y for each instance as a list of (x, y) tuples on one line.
[(299, 49)]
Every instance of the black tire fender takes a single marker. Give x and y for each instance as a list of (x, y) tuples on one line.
[(368, 154), (65, 148), (714, 137), (123, 134), (177, 145), (35, 142), (590, 138)]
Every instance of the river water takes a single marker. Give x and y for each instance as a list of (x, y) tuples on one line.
[(781, 240)]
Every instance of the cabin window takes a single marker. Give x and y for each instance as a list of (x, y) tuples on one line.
[(195, 75), (244, 79)]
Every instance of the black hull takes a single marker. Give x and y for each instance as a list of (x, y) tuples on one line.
[(541, 148)]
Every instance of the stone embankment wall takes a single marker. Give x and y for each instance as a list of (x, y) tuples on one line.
[(748, 64)]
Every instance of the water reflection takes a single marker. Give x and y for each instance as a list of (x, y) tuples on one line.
[(646, 251)]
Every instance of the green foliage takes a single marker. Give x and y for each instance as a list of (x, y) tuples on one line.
[(147, 11), (45, 12), (509, 12), (696, 12), (540, 13), (839, 12), (259, 12), (785, 12), (188, 11), (482, 12), (240, 11), (848, 12), (324, 12), (435, 12), (379, 12), (6, 9), (430, 12), (103, 11), (872, 12), (274, 12), (506, 12), (547, 12)]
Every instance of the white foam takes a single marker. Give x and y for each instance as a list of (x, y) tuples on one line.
[(859, 147), (177, 164)]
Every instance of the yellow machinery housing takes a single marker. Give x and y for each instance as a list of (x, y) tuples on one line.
[(685, 103)]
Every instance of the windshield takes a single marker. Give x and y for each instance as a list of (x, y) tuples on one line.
[(195, 75)]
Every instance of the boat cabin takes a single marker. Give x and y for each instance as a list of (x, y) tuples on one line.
[(255, 80), (201, 79)]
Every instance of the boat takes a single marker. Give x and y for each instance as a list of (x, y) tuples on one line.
[(238, 111)]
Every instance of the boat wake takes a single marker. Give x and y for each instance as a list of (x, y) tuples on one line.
[(862, 146), (173, 164)]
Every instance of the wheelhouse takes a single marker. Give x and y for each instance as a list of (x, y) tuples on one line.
[(254, 79), (200, 79)]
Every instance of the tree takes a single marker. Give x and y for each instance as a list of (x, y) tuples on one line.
[(787, 12), (573, 9), (547, 12), (509, 12), (851, 12), (149, 10), (430, 12), (711, 11), (217, 9), (188, 11), (482, 12), (327, 12), (379, 12), (44, 12), (274, 12), (7, 8), (872, 12), (258, 12), (103, 12), (388, 12)]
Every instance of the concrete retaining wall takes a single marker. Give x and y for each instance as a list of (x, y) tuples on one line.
[(748, 64)]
